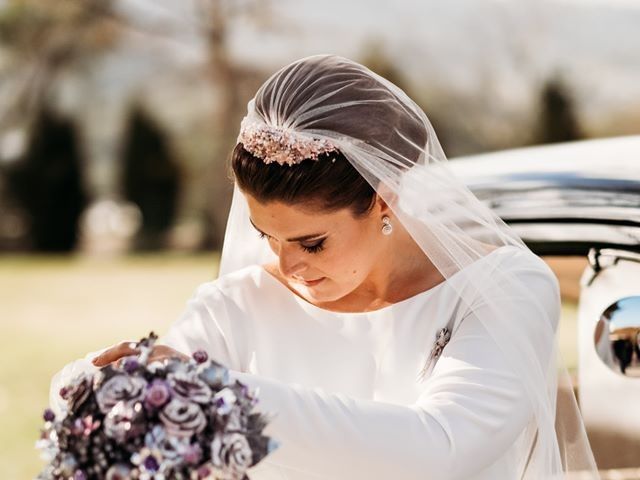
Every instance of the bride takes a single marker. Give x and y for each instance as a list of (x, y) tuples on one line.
[(395, 326)]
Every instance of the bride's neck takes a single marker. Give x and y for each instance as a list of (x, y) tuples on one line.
[(402, 271)]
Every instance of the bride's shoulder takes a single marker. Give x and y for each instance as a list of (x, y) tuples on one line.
[(516, 270), (523, 261)]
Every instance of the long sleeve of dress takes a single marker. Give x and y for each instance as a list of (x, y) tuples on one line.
[(472, 409), (200, 327)]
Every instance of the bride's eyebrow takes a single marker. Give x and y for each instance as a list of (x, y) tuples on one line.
[(294, 239)]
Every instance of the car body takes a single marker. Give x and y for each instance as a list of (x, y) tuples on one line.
[(583, 199)]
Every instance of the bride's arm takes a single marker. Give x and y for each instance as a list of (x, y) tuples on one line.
[(207, 325), (472, 409), (196, 328)]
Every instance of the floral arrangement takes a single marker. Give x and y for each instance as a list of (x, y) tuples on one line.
[(143, 420)]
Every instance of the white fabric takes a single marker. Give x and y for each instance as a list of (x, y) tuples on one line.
[(344, 384), (391, 143)]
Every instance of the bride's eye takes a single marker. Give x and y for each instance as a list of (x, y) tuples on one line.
[(317, 247)]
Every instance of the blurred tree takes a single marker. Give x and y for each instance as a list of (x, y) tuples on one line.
[(375, 57), (151, 179), (229, 79), (557, 120), (49, 43), (41, 39), (47, 183)]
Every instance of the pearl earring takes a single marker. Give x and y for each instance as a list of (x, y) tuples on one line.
[(387, 228)]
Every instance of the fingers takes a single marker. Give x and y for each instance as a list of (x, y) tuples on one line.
[(124, 349), (114, 353), (162, 352)]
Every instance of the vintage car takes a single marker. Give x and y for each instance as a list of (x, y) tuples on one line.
[(583, 199)]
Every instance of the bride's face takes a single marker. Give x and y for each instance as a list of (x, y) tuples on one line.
[(322, 255)]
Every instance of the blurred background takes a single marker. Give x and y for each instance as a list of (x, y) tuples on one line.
[(117, 118)]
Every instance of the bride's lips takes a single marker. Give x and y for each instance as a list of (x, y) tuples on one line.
[(310, 283)]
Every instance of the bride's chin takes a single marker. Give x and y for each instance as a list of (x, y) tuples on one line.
[(319, 293), (323, 297)]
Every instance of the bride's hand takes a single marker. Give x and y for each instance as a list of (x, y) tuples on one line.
[(124, 349)]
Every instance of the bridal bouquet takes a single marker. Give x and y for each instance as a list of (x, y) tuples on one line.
[(138, 420)]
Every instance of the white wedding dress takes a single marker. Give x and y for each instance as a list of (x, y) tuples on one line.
[(344, 384)]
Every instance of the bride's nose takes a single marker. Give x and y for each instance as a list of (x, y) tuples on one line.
[(290, 262)]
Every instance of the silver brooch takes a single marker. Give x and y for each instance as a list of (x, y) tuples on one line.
[(442, 338)]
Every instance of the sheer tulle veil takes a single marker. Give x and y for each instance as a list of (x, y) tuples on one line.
[(391, 143)]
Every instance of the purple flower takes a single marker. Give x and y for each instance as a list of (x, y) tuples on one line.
[(158, 393), (79, 475), (188, 386), (203, 471), (85, 426), (151, 464), (130, 364), (48, 415), (120, 388), (192, 454), (231, 453), (200, 356), (182, 418), (224, 401)]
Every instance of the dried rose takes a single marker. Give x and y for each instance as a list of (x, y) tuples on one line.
[(124, 421), (120, 388), (182, 418), (158, 393), (169, 448), (188, 386), (200, 356), (231, 453)]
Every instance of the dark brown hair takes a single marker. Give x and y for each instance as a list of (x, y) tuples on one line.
[(364, 110), (330, 182)]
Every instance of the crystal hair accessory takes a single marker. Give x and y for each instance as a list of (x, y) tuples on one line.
[(280, 145)]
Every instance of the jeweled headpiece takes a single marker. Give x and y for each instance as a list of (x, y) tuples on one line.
[(281, 145)]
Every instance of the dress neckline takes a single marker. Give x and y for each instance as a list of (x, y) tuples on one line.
[(425, 293)]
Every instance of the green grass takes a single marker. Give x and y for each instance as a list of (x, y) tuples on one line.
[(56, 309)]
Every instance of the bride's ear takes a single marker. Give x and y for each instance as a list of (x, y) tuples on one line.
[(382, 206), (385, 198)]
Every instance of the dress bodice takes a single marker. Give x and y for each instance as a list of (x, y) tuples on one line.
[(344, 384)]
